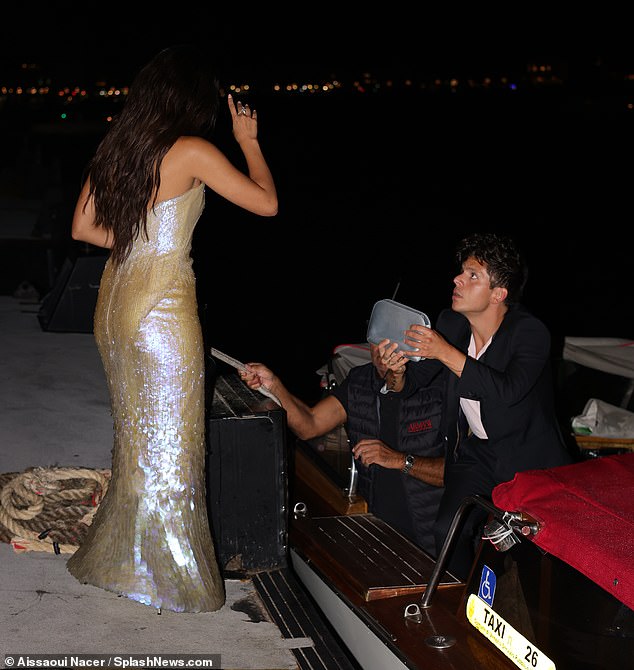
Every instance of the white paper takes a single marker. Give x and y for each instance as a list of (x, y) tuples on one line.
[(238, 365)]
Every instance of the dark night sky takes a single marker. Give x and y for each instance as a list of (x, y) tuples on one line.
[(250, 39)]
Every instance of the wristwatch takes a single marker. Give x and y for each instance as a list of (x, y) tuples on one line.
[(409, 461)]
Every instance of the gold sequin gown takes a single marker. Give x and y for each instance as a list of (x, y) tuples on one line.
[(150, 538)]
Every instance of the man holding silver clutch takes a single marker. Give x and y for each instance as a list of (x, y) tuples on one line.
[(493, 356)]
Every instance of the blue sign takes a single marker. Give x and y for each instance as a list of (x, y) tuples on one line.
[(486, 591)]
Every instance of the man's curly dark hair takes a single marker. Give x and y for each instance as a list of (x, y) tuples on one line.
[(503, 260)]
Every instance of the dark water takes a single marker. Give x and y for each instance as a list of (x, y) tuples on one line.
[(374, 194)]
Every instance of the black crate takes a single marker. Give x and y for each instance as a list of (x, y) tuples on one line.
[(247, 483)]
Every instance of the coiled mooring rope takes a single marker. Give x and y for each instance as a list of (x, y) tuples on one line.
[(39, 497)]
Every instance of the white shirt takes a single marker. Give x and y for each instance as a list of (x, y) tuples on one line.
[(471, 408)]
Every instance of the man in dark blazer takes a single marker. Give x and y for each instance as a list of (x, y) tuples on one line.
[(494, 357)]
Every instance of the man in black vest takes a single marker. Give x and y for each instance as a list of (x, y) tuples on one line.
[(396, 440)]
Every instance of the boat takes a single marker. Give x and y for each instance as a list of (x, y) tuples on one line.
[(551, 587), (599, 371)]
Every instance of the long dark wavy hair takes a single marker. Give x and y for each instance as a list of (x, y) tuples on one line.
[(504, 262), (175, 94)]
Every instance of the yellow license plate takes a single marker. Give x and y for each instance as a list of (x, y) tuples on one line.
[(523, 653)]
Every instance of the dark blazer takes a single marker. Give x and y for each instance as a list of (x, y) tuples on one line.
[(513, 382)]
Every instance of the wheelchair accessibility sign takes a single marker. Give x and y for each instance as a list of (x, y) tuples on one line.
[(486, 591)]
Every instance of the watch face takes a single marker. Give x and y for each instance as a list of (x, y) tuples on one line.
[(409, 462)]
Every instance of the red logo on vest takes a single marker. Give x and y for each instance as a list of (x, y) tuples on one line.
[(419, 426)]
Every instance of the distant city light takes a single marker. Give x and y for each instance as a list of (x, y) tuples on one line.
[(535, 75)]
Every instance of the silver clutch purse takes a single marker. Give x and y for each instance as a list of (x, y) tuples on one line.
[(390, 319)]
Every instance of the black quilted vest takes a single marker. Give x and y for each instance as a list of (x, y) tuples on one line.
[(420, 416)]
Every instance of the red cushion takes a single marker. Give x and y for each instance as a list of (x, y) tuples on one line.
[(586, 515)]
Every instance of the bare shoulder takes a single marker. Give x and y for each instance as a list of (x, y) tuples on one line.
[(190, 147), (181, 166), (194, 156)]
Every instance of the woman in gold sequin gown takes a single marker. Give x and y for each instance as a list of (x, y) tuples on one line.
[(150, 539)]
